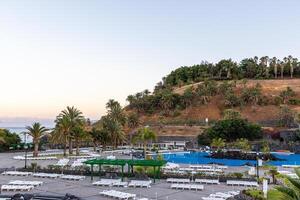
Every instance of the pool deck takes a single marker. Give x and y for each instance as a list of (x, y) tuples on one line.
[(84, 189)]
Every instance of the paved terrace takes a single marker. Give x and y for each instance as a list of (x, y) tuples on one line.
[(84, 189)]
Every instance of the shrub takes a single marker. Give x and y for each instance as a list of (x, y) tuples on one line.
[(233, 129), (295, 102)]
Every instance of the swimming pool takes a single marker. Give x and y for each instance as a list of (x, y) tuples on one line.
[(199, 158)]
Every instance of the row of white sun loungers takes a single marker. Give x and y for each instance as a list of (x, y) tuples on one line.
[(44, 175), (72, 177), (119, 183), (138, 183), (207, 181), (208, 166), (242, 183), (16, 188), (107, 182), (183, 180), (26, 183), (187, 186), (117, 194), (35, 158), (178, 180), (221, 195), (16, 173)]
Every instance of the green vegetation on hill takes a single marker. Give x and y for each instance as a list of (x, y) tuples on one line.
[(227, 69)]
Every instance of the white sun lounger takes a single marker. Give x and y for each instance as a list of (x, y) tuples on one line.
[(138, 183), (187, 186), (72, 177), (178, 180), (16, 188), (242, 183), (62, 162), (212, 198), (16, 173), (106, 182), (28, 183), (120, 184), (207, 181), (46, 175), (117, 194)]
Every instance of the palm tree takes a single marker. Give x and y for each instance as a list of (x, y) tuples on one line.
[(78, 134), (294, 63), (75, 119), (133, 120), (61, 132), (36, 131), (218, 143), (273, 63), (281, 65), (290, 190), (273, 172), (115, 129), (144, 135)]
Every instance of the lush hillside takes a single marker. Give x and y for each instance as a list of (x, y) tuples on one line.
[(266, 109), (262, 89)]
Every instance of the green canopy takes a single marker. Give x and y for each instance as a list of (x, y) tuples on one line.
[(123, 162)]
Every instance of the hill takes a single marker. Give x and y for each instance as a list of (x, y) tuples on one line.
[(176, 122)]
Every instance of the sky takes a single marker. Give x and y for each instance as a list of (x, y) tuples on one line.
[(55, 53)]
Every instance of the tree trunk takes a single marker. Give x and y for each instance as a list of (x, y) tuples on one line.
[(65, 146), (36, 149), (145, 149), (70, 147), (275, 72), (94, 143), (77, 147)]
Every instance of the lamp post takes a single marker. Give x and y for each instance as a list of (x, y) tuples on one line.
[(25, 147), (257, 161)]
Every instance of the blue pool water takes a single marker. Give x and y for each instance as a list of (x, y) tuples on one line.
[(199, 158)]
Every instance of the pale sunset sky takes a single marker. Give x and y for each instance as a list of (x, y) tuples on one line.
[(55, 53)]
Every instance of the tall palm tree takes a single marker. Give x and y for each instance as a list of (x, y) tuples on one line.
[(78, 135), (144, 136), (133, 121), (273, 63), (294, 63), (36, 131), (115, 129), (290, 190), (281, 65), (61, 132), (75, 119)]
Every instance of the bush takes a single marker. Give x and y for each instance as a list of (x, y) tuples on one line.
[(233, 129), (295, 102), (255, 194)]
